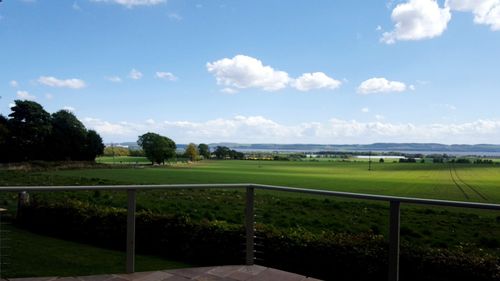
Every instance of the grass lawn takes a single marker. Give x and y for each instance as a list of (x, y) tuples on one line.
[(30, 255)]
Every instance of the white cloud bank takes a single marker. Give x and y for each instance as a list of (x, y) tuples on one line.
[(382, 85), (417, 20), (132, 3), (485, 12), (243, 72), (72, 83), (258, 129)]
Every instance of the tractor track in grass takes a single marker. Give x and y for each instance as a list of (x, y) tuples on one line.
[(466, 184), (457, 184)]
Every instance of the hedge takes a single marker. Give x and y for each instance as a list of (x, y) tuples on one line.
[(326, 255)]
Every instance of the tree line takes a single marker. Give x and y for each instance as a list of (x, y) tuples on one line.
[(31, 133), (158, 149)]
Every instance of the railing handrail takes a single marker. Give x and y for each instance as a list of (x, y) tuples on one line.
[(351, 195)]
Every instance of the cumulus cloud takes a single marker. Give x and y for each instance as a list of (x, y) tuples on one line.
[(69, 108), (365, 110), (14, 84), (72, 83), (246, 72), (132, 3), (135, 74), (315, 80), (485, 12), (242, 72), (253, 129), (114, 79), (24, 95), (417, 20), (381, 85), (166, 75)]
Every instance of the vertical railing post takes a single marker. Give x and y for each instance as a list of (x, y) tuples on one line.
[(394, 241), (249, 226), (130, 267)]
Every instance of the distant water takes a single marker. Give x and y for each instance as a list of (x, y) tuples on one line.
[(454, 153)]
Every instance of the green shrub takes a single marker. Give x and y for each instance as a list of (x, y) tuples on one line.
[(326, 255)]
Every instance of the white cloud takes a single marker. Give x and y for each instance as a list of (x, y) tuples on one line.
[(166, 75), (24, 95), (229, 91), (378, 28), (254, 129), (365, 110), (61, 83), (485, 12), (315, 80), (114, 79), (150, 121), (11, 105), (132, 3), (417, 20), (380, 85), (69, 108), (174, 17), (14, 84), (135, 74), (246, 72), (49, 96)]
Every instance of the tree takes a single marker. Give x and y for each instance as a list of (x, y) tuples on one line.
[(222, 152), (68, 138), (93, 146), (192, 152), (29, 126), (157, 148), (204, 150), (4, 137)]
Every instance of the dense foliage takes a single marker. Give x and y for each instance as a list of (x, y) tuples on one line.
[(31, 133), (327, 255), (204, 150), (157, 148), (223, 152)]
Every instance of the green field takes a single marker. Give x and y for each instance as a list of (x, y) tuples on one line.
[(122, 160), (464, 182)]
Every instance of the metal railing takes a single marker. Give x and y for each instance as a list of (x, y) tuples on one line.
[(394, 211)]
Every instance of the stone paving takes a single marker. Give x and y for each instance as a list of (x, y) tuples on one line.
[(217, 273)]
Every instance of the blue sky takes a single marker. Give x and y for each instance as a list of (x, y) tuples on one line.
[(260, 71)]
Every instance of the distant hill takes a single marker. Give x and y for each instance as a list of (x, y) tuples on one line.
[(375, 147), (380, 147)]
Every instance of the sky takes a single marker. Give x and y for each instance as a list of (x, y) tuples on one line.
[(323, 71)]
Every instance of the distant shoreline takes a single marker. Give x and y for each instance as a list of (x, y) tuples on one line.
[(492, 150)]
